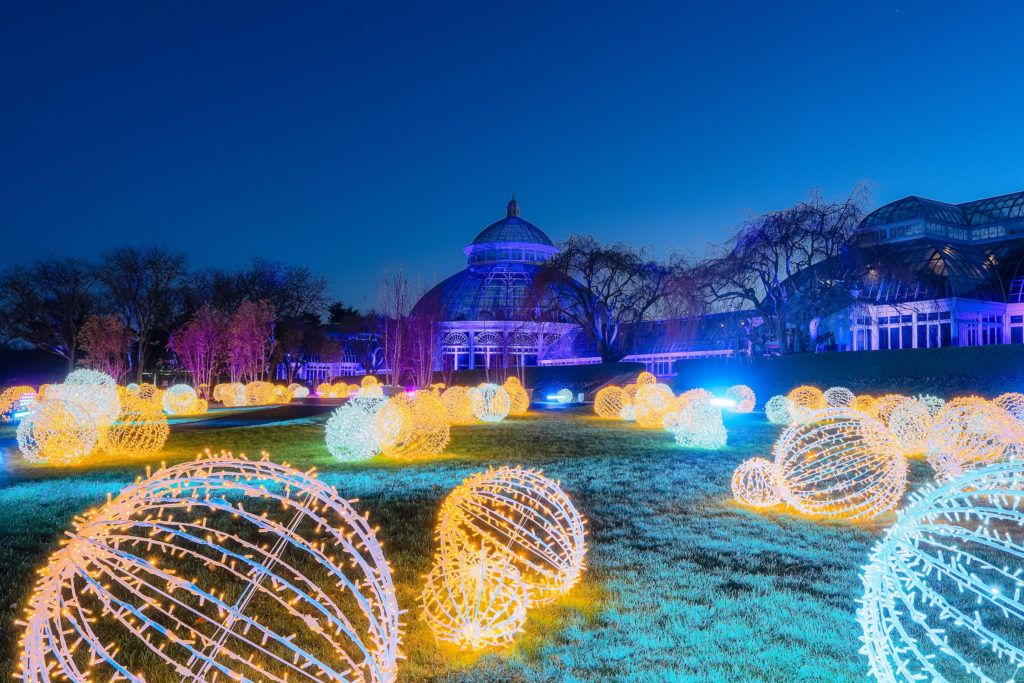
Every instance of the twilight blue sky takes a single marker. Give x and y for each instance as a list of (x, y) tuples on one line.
[(343, 135)]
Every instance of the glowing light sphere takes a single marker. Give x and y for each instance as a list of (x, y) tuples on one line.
[(323, 390), (753, 483), (233, 395), (458, 405), (864, 404), (1011, 402), (700, 426), (368, 381), (57, 432), (475, 599), (805, 400), (933, 403), (646, 378), (970, 434), (351, 431), (697, 396), (297, 390), (525, 519), (608, 402), (652, 403), (564, 396), (217, 569), (136, 434), (491, 403), (911, 425), (180, 399), (519, 396), (743, 396), (371, 391), (413, 426), (281, 395), (95, 391), (629, 393), (838, 397), (840, 463), (942, 591), (14, 400), (884, 406), (259, 393), (777, 410)]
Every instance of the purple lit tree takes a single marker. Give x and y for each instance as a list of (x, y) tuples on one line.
[(200, 345)]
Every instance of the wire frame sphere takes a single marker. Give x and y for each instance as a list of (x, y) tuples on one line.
[(413, 426), (753, 483), (646, 378), (14, 400), (351, 431), (517, 395), (323, 390), (458, 405), (491, 403), (608, 402), (368, 381), (970, 434), (475, 599), (94, 391), (805, 400), (652, 403), (298, 391), (524, 518), (700, 426), (281, 395), (697, 396), (180, 399), (933, 403), (136, 434), (777, 410), (218, 569), (1011, 402), (884, 406), (742, 396), (864, 404), (911, 425), (259, 393), (942, 591), (840, 463), (838, 397), (371, 391), (57, 432)]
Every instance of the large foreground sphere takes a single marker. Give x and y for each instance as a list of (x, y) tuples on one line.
[(942, 592), (218, 569), (840, 463), (57, 432)]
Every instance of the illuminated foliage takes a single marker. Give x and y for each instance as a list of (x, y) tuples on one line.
[(413, 426), (526, 519), (933, 403), (743, 396), (16, 399), (753, 483), (1013, 403), (911, 426), (458, 406), (57, 432), (152, 585), (942, 591), (652, 403), (971, 433), (351, 432), (805, 400), (608, 402), (700, 426), (491, 403), (474, 598), (838, 397), (777, 410), (840, 463), (646, 378), (136, 434)]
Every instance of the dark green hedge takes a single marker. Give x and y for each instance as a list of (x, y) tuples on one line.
[(983, 370)]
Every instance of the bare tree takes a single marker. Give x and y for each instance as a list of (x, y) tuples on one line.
[(788, 264), (395, 301), (45, 303), (106, 342), (142, 284), (250, 340), (604, 289)]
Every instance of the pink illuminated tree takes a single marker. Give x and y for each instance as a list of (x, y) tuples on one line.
[(200, 345), (105, 341), (250, 340)]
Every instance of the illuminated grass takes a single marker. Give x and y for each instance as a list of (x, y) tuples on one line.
[(682, 584)]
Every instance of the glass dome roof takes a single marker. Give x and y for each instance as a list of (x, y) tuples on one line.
[(980, 212), (512, 229)]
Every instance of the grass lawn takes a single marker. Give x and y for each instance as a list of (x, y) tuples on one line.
[(682, 584)]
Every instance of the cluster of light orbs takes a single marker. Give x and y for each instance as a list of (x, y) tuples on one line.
[(491, 403), (298, 589), (690, 417), (509, 539), (16, 399), (743, 398)]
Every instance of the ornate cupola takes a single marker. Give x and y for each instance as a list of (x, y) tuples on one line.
[(510, 240)]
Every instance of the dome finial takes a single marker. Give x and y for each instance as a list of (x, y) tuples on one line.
[(512, 210)]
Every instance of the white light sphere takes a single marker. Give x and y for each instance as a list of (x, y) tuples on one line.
[(943, 590), (839, 397), (57, 432), (933, 403), (217, 569), (972, 433), (95, 391), (700, 426), (743, 398), (491, 403), (298, 391), (753, 483), (180, 399), (840, 463), (911, 425), (778, 410), (351, 431)]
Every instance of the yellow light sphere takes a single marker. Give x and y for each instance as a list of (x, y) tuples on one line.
[(1011, 402), (742, 396), (458, 406), (971, 433), (323, 390), (884, 406), (805, 400), (475, 599), (608, 402), (180, 399), (14, 400), (259, 393), (281, 394), (520, 399), (524, 518), (57, 432), (629, 393), (840, 463), (864, 404), (646, 378), (136, 434), (368, 381), (838, 397), (652, 403), (413, 426), (753, 483), (491, 403), (217, 570)]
